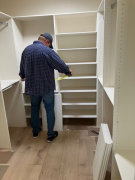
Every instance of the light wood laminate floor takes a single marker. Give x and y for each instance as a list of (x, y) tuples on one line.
[(68, 157)]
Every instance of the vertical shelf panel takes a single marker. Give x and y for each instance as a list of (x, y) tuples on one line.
[(4, 133), (109, 44), (8, 63)]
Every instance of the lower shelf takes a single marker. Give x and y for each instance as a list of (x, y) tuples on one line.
[(79, 113), (126, 164), (79, 101)]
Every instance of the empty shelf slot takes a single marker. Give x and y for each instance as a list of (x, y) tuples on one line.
[(74, 111), (76, 41), (83, 55), (88, 71), (79, 22), (79, 98)]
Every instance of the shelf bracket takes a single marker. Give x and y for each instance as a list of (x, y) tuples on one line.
[(113, 5)]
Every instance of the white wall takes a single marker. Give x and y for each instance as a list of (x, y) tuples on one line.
[(36, 7)]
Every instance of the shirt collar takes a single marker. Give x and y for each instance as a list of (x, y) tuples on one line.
[(39, 42)]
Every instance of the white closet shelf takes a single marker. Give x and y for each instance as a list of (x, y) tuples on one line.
[(6, 83), (126, 164), (80, 77), (78, 89), (101, 81), (79, 101), (110, 93), (79, 113), (81, 63), (76, 33), (74, 49)]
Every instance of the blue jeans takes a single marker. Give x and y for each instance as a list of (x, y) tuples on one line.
[(48, 100)]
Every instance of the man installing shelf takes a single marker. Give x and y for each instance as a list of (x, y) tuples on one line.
[(37, 66)]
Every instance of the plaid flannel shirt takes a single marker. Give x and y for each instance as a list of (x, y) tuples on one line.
[(37, 67)]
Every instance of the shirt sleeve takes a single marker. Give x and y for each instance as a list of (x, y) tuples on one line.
[(22, 73), (57, 63)]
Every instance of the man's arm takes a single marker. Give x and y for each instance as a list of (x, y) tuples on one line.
[(22, 73), (57, 63)]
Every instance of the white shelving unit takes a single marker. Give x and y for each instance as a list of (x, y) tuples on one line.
[(76, 38)]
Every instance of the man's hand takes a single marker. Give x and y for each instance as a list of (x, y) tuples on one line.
[(70, 73), (22, 79)]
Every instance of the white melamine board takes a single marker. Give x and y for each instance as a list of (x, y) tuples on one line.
[(82, 22), (33, 18), (83, 70), (79, 77), (4, 133), (87, 98), (83, 55), (83, 63), (126, 164), (76, 41), (7, 83), (58, 114), (3, 169), (102, 153), (14, 106), (110, 43), (79, 111), (77, 101), (124, 112), (107, 111), (77, 49), (99, 104), (8, 62), (115, 174), (100, 46), (110, 93), (76, 33), (101, 7), (78, 84)]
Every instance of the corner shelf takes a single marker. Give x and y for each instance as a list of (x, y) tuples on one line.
[(126, 164)]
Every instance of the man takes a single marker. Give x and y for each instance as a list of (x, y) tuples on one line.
[(37, 66)]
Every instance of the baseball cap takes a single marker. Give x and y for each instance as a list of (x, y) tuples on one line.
[(49, 37)]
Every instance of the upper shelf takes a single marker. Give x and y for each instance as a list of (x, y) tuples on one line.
[(81, 63), (74, 49), (76, 33), (7, 83), (71, 23), (84, 40), (126, 164), (110, 93)]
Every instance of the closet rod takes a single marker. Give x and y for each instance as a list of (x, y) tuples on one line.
[(113, 5), (5, 24)]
